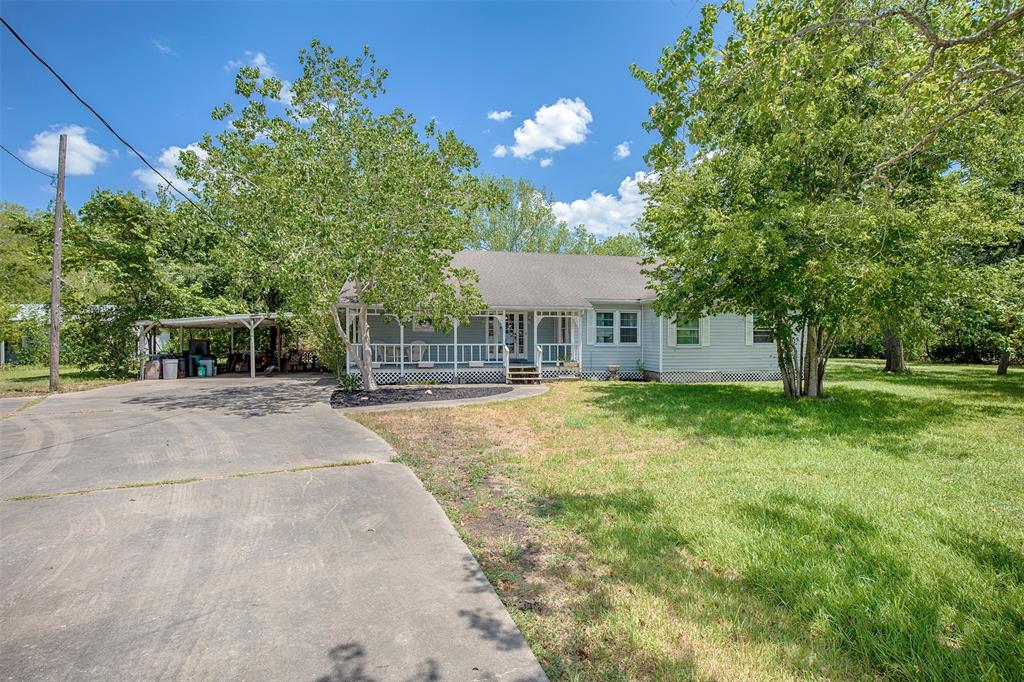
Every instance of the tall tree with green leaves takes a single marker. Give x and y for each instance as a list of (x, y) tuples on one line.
[(799, 157), (338, 205), (515, 215)]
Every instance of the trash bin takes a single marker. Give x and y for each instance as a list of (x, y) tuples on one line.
[(170, 366), (207, 366)]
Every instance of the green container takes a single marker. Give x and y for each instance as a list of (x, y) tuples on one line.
[(200, 371)]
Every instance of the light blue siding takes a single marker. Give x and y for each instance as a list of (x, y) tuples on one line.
[(727, 350), (597, 356)]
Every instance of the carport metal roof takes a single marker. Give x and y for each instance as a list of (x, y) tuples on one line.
[(238, 321)]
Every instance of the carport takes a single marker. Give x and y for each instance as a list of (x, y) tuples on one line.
[(146, 329)]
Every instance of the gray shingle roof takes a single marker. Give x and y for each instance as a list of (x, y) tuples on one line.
[(513, 279)]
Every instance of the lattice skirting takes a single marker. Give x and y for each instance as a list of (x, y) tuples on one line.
[(559, 373), (624, 374), (717, 377), (387, 377)]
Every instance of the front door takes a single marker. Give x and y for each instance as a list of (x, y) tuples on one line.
[(515, 335)]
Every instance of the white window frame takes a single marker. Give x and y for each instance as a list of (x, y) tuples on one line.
[(618, 327), (675, 332), (755, 329), (613, 327)]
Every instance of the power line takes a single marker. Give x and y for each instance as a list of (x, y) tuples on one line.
[(123, 141), (20, 160)]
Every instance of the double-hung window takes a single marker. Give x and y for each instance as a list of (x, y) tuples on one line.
[(762, 332), (605, 327), (628, 328), (688, 333)]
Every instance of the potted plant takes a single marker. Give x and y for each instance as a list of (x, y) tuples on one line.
[(567, 362)]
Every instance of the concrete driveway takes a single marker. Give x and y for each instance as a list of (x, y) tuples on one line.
[(287, 558)]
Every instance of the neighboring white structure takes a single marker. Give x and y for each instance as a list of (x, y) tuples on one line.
[(565, 315)]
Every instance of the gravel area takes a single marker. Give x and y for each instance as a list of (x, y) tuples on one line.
[(391, 396)]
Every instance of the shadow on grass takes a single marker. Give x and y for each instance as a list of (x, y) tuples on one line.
[(819, 581), (881, 420), (973, 381)]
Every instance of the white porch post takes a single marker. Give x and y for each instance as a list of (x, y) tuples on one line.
[(579, 342), (231, 339), (181, 339), (348, 330), (455, 350), (3, 352), (401, 347), (538, 361)]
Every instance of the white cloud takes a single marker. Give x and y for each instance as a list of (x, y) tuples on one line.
[(167, 163), (622, 150), (164, 48), (606, 214), (552, 128), (82, 156), (499, 116), (501, 151), (544, 163)]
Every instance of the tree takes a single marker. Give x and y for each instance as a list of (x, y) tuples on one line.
[(334, 204), (623, 244), (515, 215), (821, 135), (127, 259)]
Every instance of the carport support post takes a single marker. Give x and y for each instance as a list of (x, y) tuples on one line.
[(252, 352), (231, 340), (181, 339)]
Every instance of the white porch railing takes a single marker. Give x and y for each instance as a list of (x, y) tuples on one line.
[(463, 354), (551, 353), (414, 353), (478, 352)]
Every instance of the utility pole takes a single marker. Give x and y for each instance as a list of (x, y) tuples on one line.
[(58, 225)]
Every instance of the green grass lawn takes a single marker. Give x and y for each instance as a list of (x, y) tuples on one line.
[(653, 531), (18, 380)]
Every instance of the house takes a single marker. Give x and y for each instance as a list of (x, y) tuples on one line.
[(564, 315)]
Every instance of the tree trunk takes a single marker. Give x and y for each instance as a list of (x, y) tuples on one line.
[(894, 360), (818, 347), (1004, 363), (362, 351), (812, 382), (788, 365), (364, 359)]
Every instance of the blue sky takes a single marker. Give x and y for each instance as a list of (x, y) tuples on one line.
[(155, 70)]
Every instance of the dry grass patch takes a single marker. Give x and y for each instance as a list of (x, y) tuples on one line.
[(722, 532)]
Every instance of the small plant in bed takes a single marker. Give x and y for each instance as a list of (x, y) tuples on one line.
[(412, 394)]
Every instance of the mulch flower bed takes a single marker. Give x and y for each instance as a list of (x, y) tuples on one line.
[(391, 396)]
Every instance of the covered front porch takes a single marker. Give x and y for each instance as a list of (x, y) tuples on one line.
[(481, 352)]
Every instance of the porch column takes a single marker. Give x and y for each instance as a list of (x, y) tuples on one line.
[(537, 325), (455, 349), (401, 347), (579, 341), (181, 339), (348, 331), (231, 339), (3, 352)]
